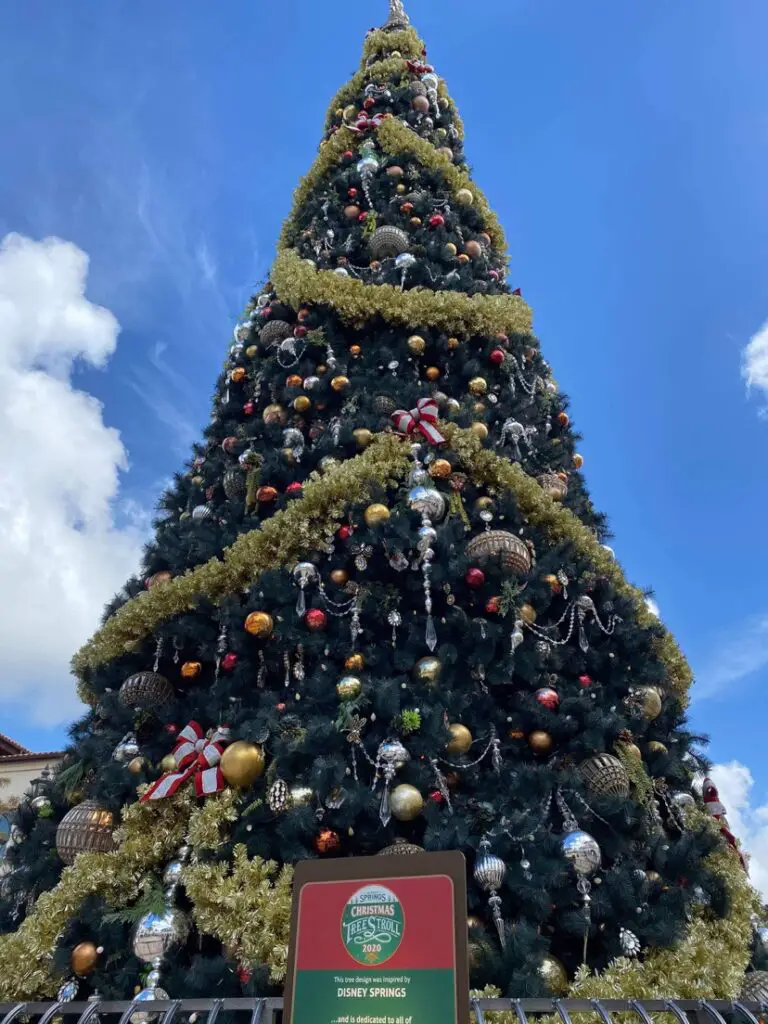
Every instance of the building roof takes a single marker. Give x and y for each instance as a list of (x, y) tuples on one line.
[(10, 750), (9, 746)]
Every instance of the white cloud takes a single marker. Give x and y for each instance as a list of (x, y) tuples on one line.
[(735, 659), (747, 815), (66, 546), (652, 607), (754, 362)]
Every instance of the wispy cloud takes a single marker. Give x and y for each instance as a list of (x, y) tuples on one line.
[(735, 659), (754, 364)]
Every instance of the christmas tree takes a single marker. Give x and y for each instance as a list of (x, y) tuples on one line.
[(378, 615)]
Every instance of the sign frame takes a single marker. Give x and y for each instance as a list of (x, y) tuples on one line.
[(449, 864)]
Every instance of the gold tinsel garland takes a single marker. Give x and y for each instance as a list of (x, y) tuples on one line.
[(247, 906), (405, 41), (148, 838), (355, 302), (396, 138), (298, 528)]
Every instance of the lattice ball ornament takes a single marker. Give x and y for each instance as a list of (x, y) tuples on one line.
[(148, 691), (87, 828), (275, 331), (755, 987), (400, 848), (512, 553), (605, 775), (388, 241), (234, 484)]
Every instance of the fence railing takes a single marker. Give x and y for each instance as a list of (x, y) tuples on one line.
[(264, 1011)]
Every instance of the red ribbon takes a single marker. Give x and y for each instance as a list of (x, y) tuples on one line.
[(195, 756), (423, 418)]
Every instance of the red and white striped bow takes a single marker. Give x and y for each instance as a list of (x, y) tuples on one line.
[(423, 418), (367, 124), (195, 756)]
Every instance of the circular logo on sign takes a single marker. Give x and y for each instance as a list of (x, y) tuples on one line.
[(372, 924)]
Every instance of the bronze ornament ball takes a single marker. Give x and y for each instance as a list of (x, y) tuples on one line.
[(540, 742), (191, 669), (432, 373), (427, 670), (527, 613), (87, 828), (84, 958), (259, 624), (327, 841), (354, 663), (339, 577), (554, 975), (273, 414), (440, 469), (473, 249), (406, 802), (461, 739), (352, 212), (416, 344), (242, 763), (376, 514), (340, 383), (302, 403)]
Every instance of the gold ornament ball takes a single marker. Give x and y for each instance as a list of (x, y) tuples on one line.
[(415, 222), (540, 742), (376, 514), (440, 469), (480, 430), (443, 103), (484, 504), (553, 581), (273, 414), (554, 975), (478, 408), (340, 383), (416, 344), (238, 374), (84, 958), (348, 687), (350, 112), (168, 764), (259, 624), (657, 747), (242, 763), (362, 436), (461, 739), (449, 250), (578, 461), (464, 197), (528, 613), (136, 765), (478, 386), (653, 877), (354, 663), (400, 189), (453, 406), (651, 702), (191, 669), (453, 344), (302, 404), (406, 802), (339, 577), (252, 351), (355, 350), (289, 456), (634, 750), (432, 373), (473, 921), (427, 670)]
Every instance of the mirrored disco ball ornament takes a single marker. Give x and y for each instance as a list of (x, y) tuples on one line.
[(157, 933), (428, 502), (388, 241), (582, 851), (147, 995)]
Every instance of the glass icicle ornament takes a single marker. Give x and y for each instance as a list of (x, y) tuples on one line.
[(390, 756), (489, 874), (303, 573)]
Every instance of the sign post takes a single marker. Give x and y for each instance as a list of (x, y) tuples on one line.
[(379, 940)]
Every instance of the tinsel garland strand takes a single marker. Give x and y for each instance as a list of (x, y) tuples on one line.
[(405, 41), (298, 528), (355, 302)]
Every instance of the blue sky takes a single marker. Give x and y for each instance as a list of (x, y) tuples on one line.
[(623, 146)]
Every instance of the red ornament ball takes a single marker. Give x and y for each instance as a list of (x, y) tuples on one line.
[(548, 698), (352, 193), (171, 728), (280, 707), (327, 841), (474, 577), (493, 605), (229, 444), (436, 220), (300, 331), (369, 103), (585, 681), (316, 619), (496, 357), (347, 154), (228, 662), (344, 532), (249, 408), (294, 487), (436, 796), (244, 974)]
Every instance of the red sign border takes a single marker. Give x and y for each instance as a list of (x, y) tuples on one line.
[(450, 863)]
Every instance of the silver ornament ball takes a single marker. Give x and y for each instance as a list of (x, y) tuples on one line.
[(582, 851), (155, 934), (428, 502)]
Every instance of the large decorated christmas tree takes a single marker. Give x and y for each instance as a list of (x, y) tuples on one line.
[(379, 616)]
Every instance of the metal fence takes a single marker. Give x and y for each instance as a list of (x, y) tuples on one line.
[(267, 1011)]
